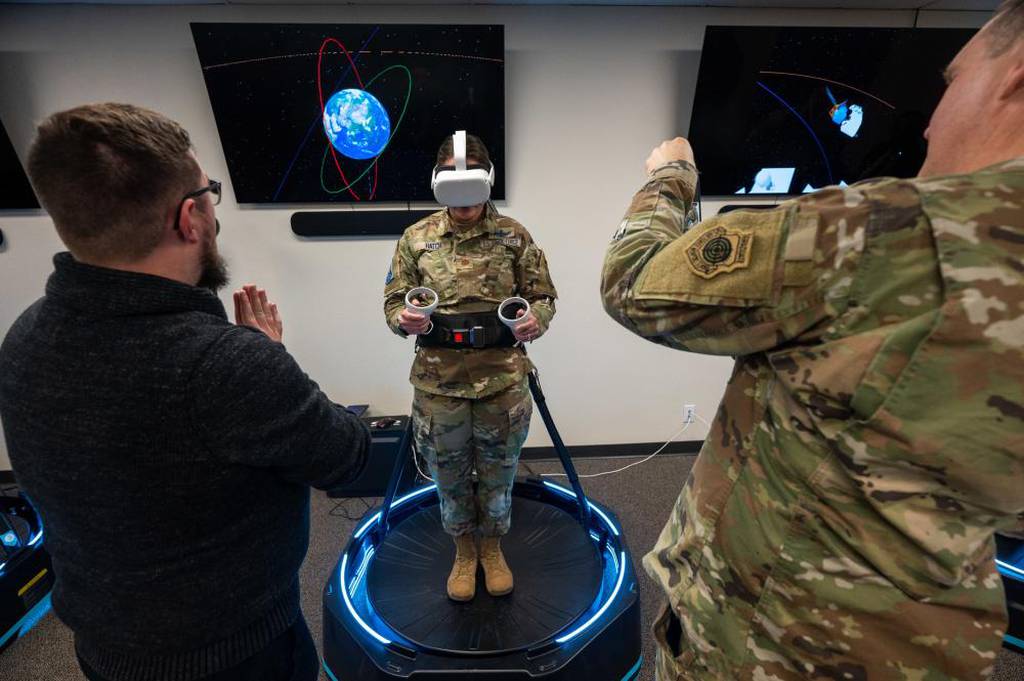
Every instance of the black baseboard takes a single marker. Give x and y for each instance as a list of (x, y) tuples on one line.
[(605, 451)]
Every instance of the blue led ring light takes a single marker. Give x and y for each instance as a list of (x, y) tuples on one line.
[(351, 608), (345, 594), (621, 566), (1011, 571), (375, 518), (618, 560), (569, 493)]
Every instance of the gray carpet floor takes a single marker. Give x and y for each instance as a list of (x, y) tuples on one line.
[(642, 497)]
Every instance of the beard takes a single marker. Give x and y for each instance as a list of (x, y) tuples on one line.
[(214, 272)]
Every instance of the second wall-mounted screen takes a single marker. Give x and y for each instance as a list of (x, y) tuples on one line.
[(311, 113), (791, 110)]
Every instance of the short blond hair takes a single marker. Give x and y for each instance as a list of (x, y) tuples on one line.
[(1006, 28)]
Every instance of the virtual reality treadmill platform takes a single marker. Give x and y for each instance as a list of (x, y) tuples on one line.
[(575, 612)]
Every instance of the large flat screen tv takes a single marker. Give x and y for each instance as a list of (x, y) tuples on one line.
[(349, 112), (791, 110), (15, 191)]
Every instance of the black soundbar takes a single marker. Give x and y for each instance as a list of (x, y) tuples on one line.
[(745, 206), (355, 223)]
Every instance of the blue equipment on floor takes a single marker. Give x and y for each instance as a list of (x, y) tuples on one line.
[(26, 576), (1010, 563)]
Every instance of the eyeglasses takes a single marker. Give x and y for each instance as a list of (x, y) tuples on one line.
[(214, 188)]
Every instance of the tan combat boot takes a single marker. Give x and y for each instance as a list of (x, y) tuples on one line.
[(496, 572), (462, 580)]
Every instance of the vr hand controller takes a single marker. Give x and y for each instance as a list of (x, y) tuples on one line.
[(509, 309), (422, 300)]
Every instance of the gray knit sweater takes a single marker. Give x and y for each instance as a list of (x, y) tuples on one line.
[(170, 454)]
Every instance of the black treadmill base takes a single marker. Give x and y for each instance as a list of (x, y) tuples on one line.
[(574, 614), (611, 654), (546, 549)]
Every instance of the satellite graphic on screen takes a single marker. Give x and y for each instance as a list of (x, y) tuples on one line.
[(848, 117), (349, 112), (791, 110)]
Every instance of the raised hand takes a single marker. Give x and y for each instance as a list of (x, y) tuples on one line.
[(252, 308)]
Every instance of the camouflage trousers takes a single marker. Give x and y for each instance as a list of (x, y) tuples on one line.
[(459, 436)]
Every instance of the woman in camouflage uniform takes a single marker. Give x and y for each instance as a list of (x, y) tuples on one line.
[(471, 409)]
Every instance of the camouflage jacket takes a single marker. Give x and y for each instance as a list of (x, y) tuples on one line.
[(838, 523), (472, 269)]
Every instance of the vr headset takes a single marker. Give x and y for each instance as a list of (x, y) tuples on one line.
[(462, 184)]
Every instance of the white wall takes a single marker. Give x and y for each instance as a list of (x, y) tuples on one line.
[(589, 92)]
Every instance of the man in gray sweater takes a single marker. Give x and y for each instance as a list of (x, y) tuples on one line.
[(168, 451)]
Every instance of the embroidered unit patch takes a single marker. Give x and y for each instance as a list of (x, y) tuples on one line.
[(719, 251)]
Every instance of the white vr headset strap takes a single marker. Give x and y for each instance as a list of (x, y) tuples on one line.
[(459, 139)]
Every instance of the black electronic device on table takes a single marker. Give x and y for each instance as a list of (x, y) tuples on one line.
[(26, 576), (357, 409), (387, 436), (574, 614)]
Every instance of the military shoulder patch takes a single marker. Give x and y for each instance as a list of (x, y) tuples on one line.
[(687, 269), (718, 251), (390, 276)]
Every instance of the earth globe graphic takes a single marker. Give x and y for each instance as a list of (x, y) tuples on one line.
[(356, 124)]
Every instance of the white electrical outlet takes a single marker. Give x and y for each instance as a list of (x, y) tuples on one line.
[(689, 413)]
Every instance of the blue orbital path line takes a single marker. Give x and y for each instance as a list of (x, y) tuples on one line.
[(807, 125), (319, 118)]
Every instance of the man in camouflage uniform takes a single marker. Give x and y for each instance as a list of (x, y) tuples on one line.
[(471, 409), (838, 523)]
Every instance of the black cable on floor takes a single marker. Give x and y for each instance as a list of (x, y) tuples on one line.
[(344, 508)]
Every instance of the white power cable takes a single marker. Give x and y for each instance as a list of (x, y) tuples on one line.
[(635, 463), (416, 458)]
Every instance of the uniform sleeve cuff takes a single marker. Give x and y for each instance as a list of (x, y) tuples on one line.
[(676, 169), (393, 324)]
